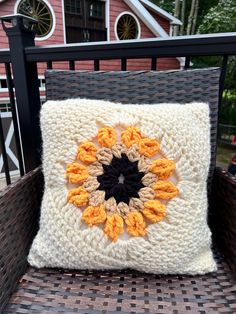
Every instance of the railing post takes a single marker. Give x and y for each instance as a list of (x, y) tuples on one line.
[(19, 30)]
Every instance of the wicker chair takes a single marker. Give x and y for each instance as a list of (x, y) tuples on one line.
[(24, 289)]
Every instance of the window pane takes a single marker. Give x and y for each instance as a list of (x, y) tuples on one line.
[(95, 9), (73, 6), (127, 27)]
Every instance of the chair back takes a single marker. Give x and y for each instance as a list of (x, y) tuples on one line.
[(139, 87)]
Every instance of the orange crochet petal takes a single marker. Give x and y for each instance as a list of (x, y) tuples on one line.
[(135, 224), (163, 168), (78, 196), (107, 136), (76, 173), (94, 215), (154, 210), (114, 226), (87, 152), (130, 136), (148, 147), (165, 190)]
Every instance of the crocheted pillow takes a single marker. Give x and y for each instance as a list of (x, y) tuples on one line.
[(125, 187)]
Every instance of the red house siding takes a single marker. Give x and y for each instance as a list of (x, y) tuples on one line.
[(57, 37), (116, 7), (164, 23)]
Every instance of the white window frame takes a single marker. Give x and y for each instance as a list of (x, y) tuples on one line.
[(53, 19), (136, 19)]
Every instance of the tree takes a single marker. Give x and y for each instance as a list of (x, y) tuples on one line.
[(176, 13), (190, 12), (190, 18), (195, 16), (182, 17), (222, 18), (167, 5), (219, 19), (204, 7), (209, 16)]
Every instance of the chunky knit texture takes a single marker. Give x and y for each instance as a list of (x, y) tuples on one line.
[(177, 240)]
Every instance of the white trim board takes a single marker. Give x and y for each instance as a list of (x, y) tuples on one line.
[(63, 20), (146, 17), (161, 12), (107, 18)]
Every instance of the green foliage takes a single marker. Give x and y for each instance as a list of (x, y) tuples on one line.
[(228, 110), (206, 62), (204, 7), (214, 16), (167, 5), (230, 82), (220, 18)]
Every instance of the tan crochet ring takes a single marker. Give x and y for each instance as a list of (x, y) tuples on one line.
[(98, 172)]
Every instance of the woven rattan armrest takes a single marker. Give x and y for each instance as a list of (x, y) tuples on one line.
[(222, 217), (41, 291), (19, 210)]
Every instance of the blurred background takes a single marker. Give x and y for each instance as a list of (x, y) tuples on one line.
[(203, 17)]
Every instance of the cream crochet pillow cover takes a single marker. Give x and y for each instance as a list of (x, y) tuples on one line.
[(125, 187)]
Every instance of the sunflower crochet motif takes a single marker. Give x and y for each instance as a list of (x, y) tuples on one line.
[(120, 183)]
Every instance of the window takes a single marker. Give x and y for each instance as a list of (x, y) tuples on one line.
[(3, 83), (127, 27), (5, 107), (39, 10), (72, 6), (85, 20), (95, 9)]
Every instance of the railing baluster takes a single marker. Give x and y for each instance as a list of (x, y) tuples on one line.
[(49, 65), (154, 64), (123, 64), (4, 154), (96, 65), (14, 117), (187, 62), (72, 65)]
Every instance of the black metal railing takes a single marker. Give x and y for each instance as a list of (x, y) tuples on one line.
[(15, 140), (23, 57)]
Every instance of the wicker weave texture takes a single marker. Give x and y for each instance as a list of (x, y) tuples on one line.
[(148, 87), (19, 209), (223, 214), (126, 292), (56, 291)]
